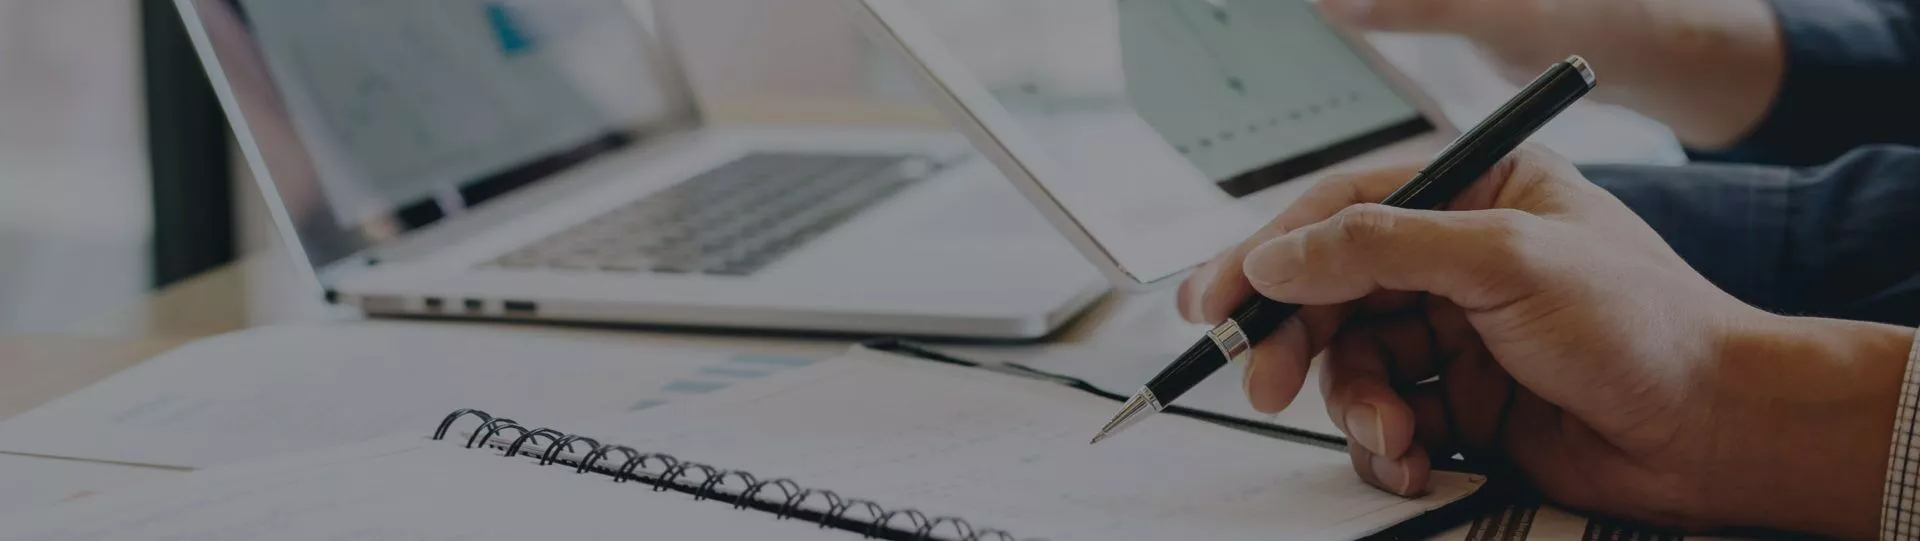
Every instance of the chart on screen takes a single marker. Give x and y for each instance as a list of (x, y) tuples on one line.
[(1232, 84), (396, 99)]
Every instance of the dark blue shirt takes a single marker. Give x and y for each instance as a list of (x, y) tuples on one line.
[(1852, 79)]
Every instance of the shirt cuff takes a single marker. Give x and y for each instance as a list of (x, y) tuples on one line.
[(1900, 514)]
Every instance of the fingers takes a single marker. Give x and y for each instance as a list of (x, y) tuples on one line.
[(1477, 259), (1361, 393), (1478, 395), (1405, 476), (1475, 386), (1464, 410), (1225, 285), (1188, 297), (1519, 181), (1377, 379), (1279, 364), (1432, 420)]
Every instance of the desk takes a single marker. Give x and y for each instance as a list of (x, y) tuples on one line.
[(263, 289), (36, 368)]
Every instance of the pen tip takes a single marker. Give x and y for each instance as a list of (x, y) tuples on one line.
[(1137, 408)]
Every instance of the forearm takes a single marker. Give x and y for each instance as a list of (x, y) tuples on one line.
[(1709, 69), (1850, 71), (1809, 405)]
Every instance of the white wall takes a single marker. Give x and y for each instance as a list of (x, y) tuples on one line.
[(74, 213)]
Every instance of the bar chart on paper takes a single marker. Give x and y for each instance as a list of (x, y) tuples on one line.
[(1232, 84)]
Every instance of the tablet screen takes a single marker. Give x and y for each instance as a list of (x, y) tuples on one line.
[(1153, 116)]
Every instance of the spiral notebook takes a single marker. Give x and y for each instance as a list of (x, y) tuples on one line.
[(876, 444)]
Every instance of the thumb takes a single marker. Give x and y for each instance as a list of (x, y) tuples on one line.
[(1438, 16), (1473, 258)]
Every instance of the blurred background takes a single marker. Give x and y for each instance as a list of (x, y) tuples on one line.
[(75, 211), (117, 175)]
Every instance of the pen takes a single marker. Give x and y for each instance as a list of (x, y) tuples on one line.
[(1456, 167)]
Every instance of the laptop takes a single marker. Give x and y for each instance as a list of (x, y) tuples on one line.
[(1156, 134), (545, 161)]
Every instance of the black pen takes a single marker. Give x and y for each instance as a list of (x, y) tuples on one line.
[(1456, 167)]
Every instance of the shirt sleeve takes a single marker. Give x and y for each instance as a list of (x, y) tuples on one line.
[(1852, 71), (1900, 514)]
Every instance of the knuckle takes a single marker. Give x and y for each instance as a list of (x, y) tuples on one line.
[(1539, 180), (1506, 238), (1275, 227), (1362, 224)]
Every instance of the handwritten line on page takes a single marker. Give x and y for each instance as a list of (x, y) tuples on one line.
[(1122, 372), (1011, 454), (278, 390)]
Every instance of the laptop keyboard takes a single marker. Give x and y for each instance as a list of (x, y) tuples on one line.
[(732, 220)]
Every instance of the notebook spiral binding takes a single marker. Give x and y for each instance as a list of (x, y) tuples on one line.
[(704, 482)]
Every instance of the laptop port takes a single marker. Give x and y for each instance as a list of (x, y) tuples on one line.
[(475, 306), (519, 308), (433, 304)]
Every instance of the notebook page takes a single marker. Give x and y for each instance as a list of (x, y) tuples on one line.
[(30, 482), (404, 488), (1012, 454), (276, 390)]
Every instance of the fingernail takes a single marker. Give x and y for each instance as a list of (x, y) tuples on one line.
[(1352, 11), (1246, 383), (1263, 263), (1393, 474), (1364, 426)]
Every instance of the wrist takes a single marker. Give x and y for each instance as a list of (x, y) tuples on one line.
[(1804, 409), (1709, 69)]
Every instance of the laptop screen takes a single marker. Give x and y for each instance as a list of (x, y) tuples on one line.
[(373, 118)]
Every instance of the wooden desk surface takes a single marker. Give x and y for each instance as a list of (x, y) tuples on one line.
[(36, 368)]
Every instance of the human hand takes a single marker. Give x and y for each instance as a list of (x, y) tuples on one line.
[(1541, 325), (1708, 68)]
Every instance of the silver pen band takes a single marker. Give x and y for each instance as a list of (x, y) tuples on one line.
[(1231, 341)]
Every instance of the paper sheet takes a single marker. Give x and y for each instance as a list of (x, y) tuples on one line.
[(398, 488), (278, 390), (1010, 453), (1122, 372), (28, 482)]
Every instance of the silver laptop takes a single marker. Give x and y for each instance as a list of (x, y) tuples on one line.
[(544, 161)]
